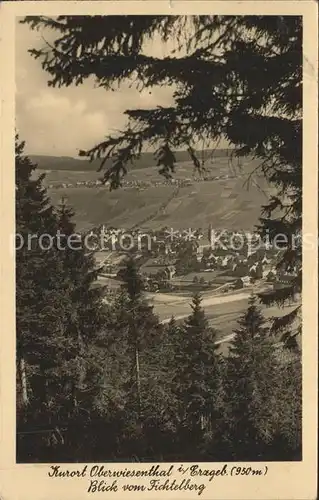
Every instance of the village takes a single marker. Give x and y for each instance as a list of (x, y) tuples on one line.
[(144, 184), (187, 261)]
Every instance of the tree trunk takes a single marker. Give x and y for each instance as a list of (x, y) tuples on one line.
[(23, 378), (82, 367), (138, 380), (78, 383)]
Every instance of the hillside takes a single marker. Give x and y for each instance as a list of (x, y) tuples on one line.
[(77, 164), (226, 203)]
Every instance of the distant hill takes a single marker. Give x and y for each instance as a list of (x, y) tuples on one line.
[(45, 162), (226, 203)]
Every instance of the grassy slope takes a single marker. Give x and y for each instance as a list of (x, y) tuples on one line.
[(223, 203)]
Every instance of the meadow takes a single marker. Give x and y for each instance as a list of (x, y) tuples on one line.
[(228, 203)]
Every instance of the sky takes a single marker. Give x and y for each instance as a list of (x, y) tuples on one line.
[(61, 121)]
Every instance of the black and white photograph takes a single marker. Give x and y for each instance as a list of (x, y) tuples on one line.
[(169, 328), (159, 239)]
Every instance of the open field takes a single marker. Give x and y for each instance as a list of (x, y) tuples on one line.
[(226, 203), (213, 305)]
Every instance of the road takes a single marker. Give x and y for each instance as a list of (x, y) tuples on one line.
[(222, 310)]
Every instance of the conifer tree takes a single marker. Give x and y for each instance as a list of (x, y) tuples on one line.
[(195, 381), (57, 317), (136, 393), (173, 334), (79, 263), (34, 218), (252, 387), (133, 283), (87, 316), (42, 304), (139, 325), (133, 286), (288, 441)]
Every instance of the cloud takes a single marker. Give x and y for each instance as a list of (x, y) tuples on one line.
[(61, 121), (47, 101), (56, 124)]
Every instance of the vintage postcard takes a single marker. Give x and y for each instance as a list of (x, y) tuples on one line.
[(159, 204)]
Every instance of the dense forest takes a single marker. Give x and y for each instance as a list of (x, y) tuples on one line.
[(104, 380)]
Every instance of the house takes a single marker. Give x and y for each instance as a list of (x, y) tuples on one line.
[(205, 244), (170, 272), (246, 280), (154, 267), (167, 248)]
